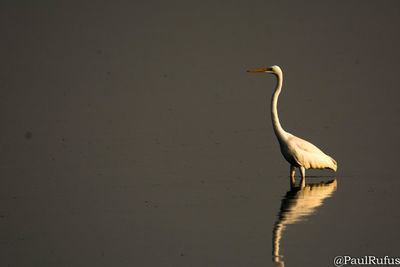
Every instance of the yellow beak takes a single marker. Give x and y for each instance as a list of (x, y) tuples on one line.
[(261, 70)]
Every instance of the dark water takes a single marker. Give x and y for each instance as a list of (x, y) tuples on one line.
[(133, 136)]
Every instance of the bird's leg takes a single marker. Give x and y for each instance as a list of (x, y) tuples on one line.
[(303, 177), (292, 172)]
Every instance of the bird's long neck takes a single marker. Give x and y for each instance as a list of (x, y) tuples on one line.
[(279, 132)]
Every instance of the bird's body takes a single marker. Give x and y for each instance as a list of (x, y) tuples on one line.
[(301, 153), (298, 152)]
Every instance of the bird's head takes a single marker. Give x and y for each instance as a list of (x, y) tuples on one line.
[(273, 69)]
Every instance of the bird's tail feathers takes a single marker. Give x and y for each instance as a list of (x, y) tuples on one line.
[(334, 167)]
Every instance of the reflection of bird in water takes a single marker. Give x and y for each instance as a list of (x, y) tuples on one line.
[(297, 204), (298, 152)]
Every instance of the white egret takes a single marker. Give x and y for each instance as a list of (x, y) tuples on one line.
[(298, 152)]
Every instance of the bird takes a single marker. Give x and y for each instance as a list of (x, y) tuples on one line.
[(298, 152)]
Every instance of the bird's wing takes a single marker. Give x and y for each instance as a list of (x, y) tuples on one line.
[(310, 156), (305, 145)]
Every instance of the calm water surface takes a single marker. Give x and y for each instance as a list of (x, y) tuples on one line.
[(133, 136)]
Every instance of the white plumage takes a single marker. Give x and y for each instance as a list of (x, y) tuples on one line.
[(298, 152)]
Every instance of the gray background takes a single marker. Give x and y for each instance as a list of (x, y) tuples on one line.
[(133, 136)]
